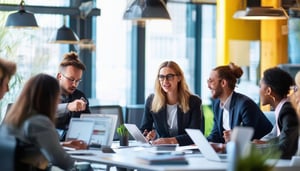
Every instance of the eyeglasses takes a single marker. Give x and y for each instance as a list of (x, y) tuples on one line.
[(294, 88), (71, 79), (168, 77), (211, 80)]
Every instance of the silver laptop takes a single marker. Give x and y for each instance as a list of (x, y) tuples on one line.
[(205, 148), (104, 128), (136, 133), (241, 135), (80, 129)]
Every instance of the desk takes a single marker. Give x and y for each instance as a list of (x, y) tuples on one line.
[(126, 158)]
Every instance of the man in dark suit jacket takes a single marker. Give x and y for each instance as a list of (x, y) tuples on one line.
[(242, 112), (233, 109)]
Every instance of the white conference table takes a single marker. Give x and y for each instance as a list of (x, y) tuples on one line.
[(127, 158)]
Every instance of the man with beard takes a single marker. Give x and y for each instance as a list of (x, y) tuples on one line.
[(233, 109), (73, 101)]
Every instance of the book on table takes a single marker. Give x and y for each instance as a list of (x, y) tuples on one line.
[(162, 159)]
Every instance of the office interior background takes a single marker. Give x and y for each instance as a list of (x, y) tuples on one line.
[(122, 56)]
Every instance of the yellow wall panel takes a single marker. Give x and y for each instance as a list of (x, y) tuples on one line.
[(229, 28)]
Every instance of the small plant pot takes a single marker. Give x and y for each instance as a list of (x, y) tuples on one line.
[(123, 140)]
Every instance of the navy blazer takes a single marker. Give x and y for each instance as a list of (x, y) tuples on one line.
[(288, 126), (242, 112), (190, 119)]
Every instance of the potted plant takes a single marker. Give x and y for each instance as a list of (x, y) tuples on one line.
[(123, 135), (257, 158)]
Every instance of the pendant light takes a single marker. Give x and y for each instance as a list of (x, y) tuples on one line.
[(254, 11), (21, 18), (64, 35), (261, 13), (146, 10)]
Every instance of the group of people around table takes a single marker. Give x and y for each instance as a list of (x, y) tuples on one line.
[(47, 103)]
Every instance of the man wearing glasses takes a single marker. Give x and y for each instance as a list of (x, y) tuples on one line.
[(73, 101)]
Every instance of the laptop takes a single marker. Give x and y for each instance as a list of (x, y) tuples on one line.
[(80, 129), (240, 135), (203, 145), (104, 128), (136, 133)]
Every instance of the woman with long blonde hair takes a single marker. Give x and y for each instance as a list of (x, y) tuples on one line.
[(171, 108)]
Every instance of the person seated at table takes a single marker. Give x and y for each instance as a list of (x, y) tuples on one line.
[(233, 109), (295, 94), (274, 89), (31, 119), (171, 109), (73, 102)]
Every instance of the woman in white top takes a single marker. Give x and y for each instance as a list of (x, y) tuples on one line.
[(171, 108)]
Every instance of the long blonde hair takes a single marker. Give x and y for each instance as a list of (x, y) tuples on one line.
[(159, 99)]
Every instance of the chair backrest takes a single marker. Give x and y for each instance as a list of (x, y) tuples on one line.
[(8, 144), (110, 109), (134, 114)]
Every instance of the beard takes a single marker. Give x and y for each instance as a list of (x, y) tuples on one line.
[(217, 92)]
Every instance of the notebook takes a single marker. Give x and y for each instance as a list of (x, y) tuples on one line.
[(205, 148), (104, 128), (136, 133), (80, 129)]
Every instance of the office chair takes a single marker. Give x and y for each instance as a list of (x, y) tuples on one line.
[(8, 145), (134, 114), (110, 109)]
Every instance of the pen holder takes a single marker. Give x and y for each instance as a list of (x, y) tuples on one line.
[(123, 140)]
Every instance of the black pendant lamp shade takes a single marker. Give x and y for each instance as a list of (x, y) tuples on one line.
[(64, 35), (146, 10), (21, 18)]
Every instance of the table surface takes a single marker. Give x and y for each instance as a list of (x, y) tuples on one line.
[(127, 157)]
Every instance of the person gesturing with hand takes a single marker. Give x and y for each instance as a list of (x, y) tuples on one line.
[(73, 102)]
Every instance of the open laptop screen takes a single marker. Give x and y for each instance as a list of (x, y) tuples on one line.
[(104, 128), (80, 129)]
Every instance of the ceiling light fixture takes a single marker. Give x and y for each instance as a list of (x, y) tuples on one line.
[(64, 35), (261, 13), (21, 18), (146, 10)]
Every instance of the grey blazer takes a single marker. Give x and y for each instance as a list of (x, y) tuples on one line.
[(41, 132)]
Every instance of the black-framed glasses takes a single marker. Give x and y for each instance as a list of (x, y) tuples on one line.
[(71, 79), (168, 77)]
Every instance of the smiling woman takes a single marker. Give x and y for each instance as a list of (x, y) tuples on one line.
[(172, 104)]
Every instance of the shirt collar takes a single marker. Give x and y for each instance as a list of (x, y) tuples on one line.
[(226, 104)]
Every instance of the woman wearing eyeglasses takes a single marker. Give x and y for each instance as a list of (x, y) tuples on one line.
[(274, 89), (171, 108)]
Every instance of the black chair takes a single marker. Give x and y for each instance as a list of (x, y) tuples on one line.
[(134, 114), (110, 109)]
